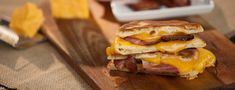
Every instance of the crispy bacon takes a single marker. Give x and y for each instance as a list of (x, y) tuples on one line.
[(175, 3), (162, 39), (145, 5), (177, 37), (130, 63), (162, 69)]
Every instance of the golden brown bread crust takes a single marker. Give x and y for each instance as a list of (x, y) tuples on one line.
[(151, 24)]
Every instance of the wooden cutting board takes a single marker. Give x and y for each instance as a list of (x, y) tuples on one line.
[(82, 43)]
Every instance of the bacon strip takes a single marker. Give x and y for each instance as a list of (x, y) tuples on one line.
[(162, 39), (162, 69), (145, 5), (177, 37), (130, 63)]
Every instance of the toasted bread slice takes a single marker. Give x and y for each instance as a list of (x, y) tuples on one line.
[(184, 55), (172, 26)]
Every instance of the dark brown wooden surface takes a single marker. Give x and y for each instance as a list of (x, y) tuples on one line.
[(82, 43), (225, 53)]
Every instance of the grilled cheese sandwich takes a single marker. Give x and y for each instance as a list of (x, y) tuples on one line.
[(180, 53)]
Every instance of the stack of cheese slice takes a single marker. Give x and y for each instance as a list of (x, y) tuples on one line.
[(160, 47)]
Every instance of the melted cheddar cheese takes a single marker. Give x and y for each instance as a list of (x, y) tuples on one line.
[(204, 59), (171, 46), (110, 51)]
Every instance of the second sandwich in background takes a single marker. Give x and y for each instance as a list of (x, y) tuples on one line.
[(160, 47)]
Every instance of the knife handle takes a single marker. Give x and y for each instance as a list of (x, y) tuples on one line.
[(8, 36)]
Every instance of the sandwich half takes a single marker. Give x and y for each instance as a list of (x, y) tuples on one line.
[(160, 47)]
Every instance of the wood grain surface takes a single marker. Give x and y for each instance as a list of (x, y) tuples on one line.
[(82, 43)]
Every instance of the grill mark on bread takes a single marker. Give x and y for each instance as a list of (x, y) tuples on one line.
[(152, 32), (187, 53), (165, 38)]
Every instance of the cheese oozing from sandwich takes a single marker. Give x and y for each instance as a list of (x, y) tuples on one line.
[(110, 51), (192, 66)]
